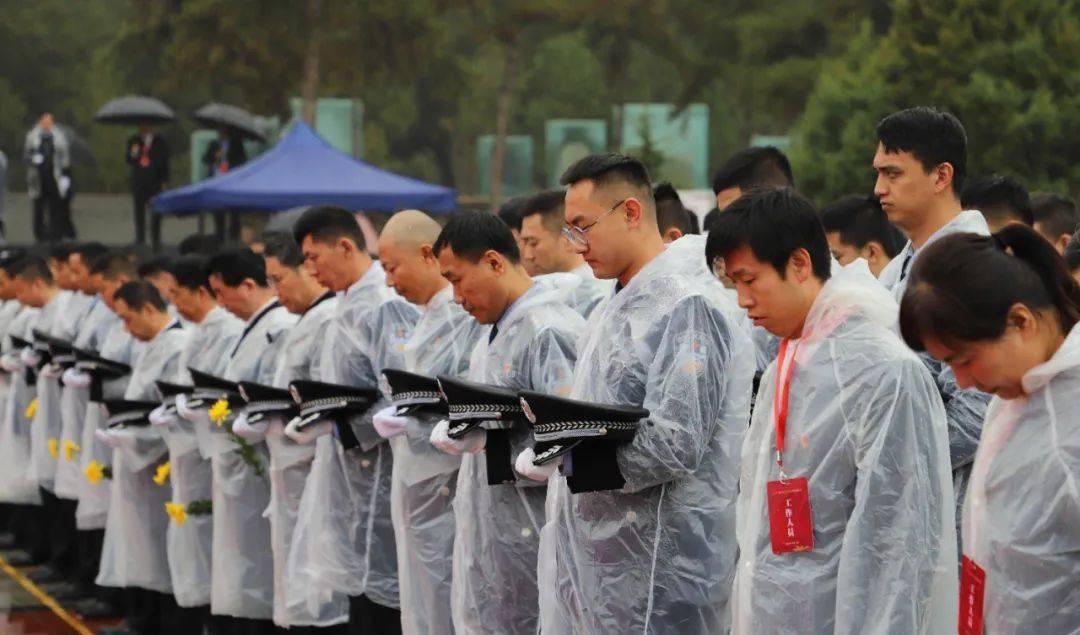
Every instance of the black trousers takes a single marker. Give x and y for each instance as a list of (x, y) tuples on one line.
[(227, 224), (195, 620), (141, 198), (225, 625), (25, 523), (149, 612), (370, 618), (65, 537)]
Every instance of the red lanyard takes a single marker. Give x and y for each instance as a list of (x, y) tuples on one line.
[(780, 401)]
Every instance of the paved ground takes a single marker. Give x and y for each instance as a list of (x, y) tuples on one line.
[(26, 610)]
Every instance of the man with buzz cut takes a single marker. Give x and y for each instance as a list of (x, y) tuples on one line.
[(530, 345), (548, 254), (659, 552), (355, 553)]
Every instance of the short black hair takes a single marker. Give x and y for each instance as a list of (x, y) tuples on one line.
[(860, 220), (550, 205), (1056, 213), (154, 266), (710, 219), (139, 293), (205, 244), (31, 268), (62, 251), (1003, 198), (284, 248), (235, 265), (931, 135), (191, 272), (1072, 252), (512, 212), (8, 258), (605, 169), (89, 251), (670, 211), (773, 223), (328, 223), (113, 264), (750, 168), (472, 234)]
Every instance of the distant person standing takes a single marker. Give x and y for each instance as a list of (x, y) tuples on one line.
[(223, 154), (148, 156), (48, 180)]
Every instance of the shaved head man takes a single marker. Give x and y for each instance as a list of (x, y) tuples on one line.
[(405, 251)]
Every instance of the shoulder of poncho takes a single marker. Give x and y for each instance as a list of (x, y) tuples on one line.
[(551, 316)]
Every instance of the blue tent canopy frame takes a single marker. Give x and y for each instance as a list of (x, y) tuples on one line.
[(304, 169)]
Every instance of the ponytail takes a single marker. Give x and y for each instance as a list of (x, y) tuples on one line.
[(1027, 245), (963, 286)]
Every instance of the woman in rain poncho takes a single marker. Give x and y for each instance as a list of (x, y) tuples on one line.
[(1002, 311)]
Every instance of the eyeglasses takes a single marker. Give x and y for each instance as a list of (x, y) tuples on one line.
[(580, 235)]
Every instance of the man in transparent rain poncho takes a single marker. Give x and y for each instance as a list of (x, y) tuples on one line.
[(213, 332), (845, 509), (134, 553), (242, 570), (343, 543), (530, 345), (424, 479), (657, 554)]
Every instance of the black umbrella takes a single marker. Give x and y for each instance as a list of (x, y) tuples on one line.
[(214, 115), (134, 110)]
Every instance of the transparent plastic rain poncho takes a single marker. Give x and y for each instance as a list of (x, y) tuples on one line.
[(424, 479), (584, 291), (497, 527), (290, 462), (1023, 506), (868, 430), (243, 565), (10, 310), (964, 407), (134, 552), (343, 541), (56, 320), (74, 401), (15, 484), (189, 544), (119, 346), (657, 556)]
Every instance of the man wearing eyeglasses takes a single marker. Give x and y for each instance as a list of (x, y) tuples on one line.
[(659, 553)]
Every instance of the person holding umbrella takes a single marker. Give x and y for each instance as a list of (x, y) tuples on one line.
[(147, 154), (234, 124)]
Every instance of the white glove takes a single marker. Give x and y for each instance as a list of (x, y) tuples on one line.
[(473, 442), (250, 431), (37, 158), (75, 379), (388, 423), (107, 438), (309, 433), (161, 416), (11, 362), (524, 466), (192, 415), (30, 357)]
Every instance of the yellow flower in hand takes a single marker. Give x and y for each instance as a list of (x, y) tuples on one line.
[(162, 474), (177, 512), (70, 450), (31, 409), (219, 412), (94, 472), (54, 448)]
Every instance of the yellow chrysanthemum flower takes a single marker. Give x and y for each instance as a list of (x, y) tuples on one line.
[(219, 412), (31, 409), (177, 512), (70, 450), (94, 472), (54, 448), (162, 474)]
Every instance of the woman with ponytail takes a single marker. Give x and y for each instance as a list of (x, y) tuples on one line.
[(1002, 311)]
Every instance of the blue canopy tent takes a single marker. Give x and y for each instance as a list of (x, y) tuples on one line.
[(303, 169)]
